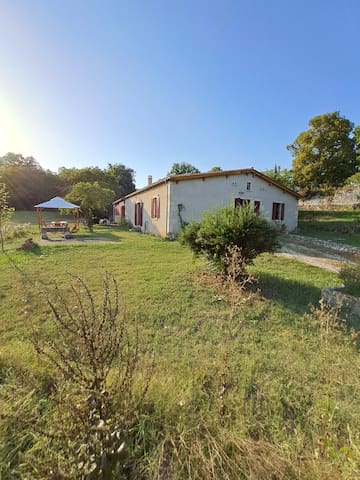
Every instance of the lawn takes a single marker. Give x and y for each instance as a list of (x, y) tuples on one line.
[(245, 386), (339, 226), (20, 218), (23, 216)]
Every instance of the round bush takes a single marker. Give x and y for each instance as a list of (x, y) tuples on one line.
[(224, 228)]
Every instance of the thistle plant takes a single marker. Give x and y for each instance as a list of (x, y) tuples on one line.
[(91, 348)]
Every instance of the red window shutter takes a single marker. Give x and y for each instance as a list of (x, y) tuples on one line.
[(282, 211), (256, 206), (155, 207), (237, 202), (158, 207), (138, 217), (274, 211)]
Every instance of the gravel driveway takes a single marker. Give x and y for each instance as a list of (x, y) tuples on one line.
[(320, 253)]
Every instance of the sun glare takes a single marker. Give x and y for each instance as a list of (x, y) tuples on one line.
[(14, 134)]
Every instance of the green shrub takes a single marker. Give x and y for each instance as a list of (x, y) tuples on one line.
[(124, 223), (227, 227), (350, 275)]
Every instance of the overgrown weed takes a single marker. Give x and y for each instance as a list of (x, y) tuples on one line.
[(95, 358), (332, 439)]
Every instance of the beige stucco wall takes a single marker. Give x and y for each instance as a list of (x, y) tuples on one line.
[(197, 196), (155, 226)]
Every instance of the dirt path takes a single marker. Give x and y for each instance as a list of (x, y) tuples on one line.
[(53, 242), (320, 253)]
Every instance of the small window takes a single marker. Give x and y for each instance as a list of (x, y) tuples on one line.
[(155, 207), (278, 211), (138, 218), (248, 186)]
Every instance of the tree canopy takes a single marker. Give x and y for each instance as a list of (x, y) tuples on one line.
[(183, 167), (281, 175), (28, 183), (324, 155), (122, 178), (18, 160), (91, 197), (117, 177), (357, 143)]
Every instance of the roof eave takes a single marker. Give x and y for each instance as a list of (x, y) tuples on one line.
[(226, 173), (223, 173)]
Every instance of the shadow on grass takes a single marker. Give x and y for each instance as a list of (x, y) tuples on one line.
[(80, 237), (35, 250), (106, 233), (295, 296), (96, 236), (28, 247)]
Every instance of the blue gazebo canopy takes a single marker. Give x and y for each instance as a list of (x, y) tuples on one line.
[(56, 202)]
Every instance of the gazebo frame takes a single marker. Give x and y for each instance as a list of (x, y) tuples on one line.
[(57, 203)]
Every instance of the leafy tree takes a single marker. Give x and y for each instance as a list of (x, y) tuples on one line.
[(215, 169), (224, 228), (116, 177), (354, 180), (18, 160), (122, 178), (5, 212), (91, 197), (324, 155), (72, 176), (183, 167), (281, 175), (26, 182), (357, 143)]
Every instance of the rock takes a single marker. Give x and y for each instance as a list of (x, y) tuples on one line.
[(337, 298)]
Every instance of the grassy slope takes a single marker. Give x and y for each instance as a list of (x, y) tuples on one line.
[(339, 226), (282, 396)]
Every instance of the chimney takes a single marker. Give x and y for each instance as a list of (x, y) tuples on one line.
[(149, 179)]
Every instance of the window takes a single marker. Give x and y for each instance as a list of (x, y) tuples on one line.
[(138, 220), (241, 202), (155, 207), (278, 211), (248, 186)]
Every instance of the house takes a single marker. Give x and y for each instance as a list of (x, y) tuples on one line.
[(162, 207)]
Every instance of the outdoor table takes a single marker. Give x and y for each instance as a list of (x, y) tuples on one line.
[(55, 229)]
